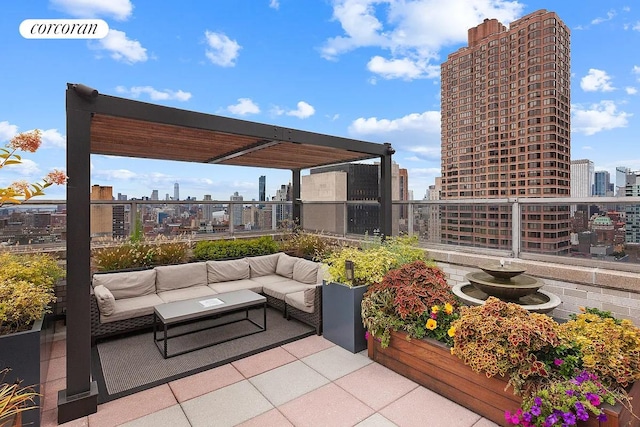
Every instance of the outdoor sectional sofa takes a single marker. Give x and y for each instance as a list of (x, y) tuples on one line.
[(124, 301)]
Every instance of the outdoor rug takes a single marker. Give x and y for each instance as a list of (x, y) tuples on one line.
[(133, 363)]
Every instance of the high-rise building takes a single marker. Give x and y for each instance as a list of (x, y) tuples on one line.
[(262, 189), (207, 209), (176, 191), (632, 212), (236, 209), (621, 180), (403, 186), (602, 184), (505, 108), (154, 195), (283, 194), (101, 216), (582, 178)]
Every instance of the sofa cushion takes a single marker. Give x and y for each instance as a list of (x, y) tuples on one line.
[(105, 299), (263, 265), (127, 284), (310, 295), (297, 300), (225, 271), (170, 277), (129, 308), (186, 293), (305, 271), (236, 285), (280, 289), (265, 280), (285, 265)]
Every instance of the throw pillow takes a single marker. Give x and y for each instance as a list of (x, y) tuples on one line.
[(305, 271), (105, 299), (285, 265)]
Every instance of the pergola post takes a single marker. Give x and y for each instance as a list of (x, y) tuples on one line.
[(295, 196), (386, 206), (80, 398)]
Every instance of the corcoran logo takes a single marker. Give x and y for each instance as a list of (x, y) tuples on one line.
[(64, 29)]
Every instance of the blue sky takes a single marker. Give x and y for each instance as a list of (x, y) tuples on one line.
[(364, 69)]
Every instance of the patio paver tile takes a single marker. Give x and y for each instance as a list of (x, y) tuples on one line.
[(227, 406), (327, 406), (57, 369), (205, 382), (270, 418), (129, 408), (262, 362), (336, 362), (376, 385), (58, 349), (307, 346), (49, 400), (376, 420), (287, 382), (485, 423), (173, 416), (422, 407), (50, 419)]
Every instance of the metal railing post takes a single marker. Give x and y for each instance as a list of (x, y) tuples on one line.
[(410, 218), (345, 219), (515, 228)]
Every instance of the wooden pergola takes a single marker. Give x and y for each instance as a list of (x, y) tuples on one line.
[(102, 124)]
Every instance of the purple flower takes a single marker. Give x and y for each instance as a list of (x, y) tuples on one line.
[(558, 362), (537, 401), (512, 418), (594, 399), (434, 315), (535, 410), (569, 418), (602, 417), (570, 392), (550, 420), (366, 335), (527, 417)]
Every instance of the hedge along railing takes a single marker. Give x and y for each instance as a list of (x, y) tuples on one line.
[(206, 250)]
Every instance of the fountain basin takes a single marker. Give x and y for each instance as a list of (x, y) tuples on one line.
[(510, 289), (502, 272), (538, 302)]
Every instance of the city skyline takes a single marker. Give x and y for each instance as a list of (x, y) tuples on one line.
[(360, 69)]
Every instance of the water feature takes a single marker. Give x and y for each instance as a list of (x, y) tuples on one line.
[(508, 283)]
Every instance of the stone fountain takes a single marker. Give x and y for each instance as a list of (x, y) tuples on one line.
[(509, 284)]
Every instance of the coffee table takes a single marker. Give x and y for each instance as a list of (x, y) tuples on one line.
[(181, 312)]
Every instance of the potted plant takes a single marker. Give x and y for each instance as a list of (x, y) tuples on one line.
[(350, 271), (516, 367), (14, 400)]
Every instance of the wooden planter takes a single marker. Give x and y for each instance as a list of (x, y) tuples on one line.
[(431, 364)]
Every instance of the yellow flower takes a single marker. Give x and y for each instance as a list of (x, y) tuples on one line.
[(452, 331), (435, 309), (431, 324), (448, 308), (452, 351)]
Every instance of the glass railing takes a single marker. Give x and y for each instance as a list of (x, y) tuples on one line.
[(580, 231)]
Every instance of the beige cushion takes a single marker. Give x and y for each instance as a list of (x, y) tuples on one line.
[(265, 280), (170, 277), (280, 289), (105, 299), (296, 299), (285, 265), (127, 284), (128, 308), (263, 265), (224, 271), (186, 293), (236, 285), (305, 271), (310, 295)]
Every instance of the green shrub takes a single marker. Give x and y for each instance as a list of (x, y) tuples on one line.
[(308, 245), (136, 254), (222, 249), (26, 289)]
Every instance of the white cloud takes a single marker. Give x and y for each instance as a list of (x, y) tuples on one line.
[(243, 107), (429, 121), (117, 9), (27, 167), (636, 70), (154, 94), (426, 152), (596, 80), (636, 26), (222, 50), (610, 15), (51, 138), (587, 147), (404, 68), (412, 31), (123, 49), (274, 4), (631, 90), (303, 111), (117, 174), (597, 118), (7, 131)]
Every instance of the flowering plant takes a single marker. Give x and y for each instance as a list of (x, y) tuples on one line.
[(564, 402), (436, 324), (21, 191)]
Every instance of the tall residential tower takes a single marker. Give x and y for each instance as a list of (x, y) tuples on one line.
[(506, 133)]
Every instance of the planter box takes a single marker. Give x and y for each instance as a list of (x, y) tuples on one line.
[(27, 355), (342, 315), (430, 363)]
